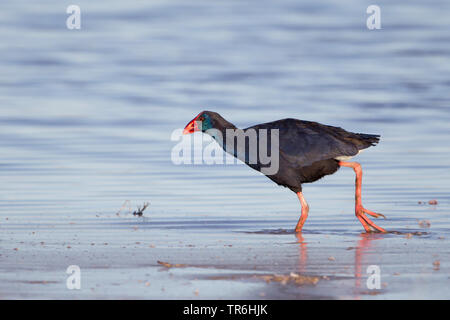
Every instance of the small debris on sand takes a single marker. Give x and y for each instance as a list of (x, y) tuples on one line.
[(408, 235), (432, 202), (127, 202), (291, 278), (331, 258), (38, 281), (436, 265), (424, 223), (170, 265)]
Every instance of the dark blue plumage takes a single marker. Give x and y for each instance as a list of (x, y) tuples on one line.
[(308, 150)]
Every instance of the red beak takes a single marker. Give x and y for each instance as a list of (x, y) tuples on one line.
[(191, 126)]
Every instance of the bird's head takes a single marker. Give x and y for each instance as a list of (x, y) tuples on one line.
[(205, 120)]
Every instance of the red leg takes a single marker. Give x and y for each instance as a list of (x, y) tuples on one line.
[(359, 209), (304, 214)]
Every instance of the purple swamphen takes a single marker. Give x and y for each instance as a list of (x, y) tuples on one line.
[(307, 151)]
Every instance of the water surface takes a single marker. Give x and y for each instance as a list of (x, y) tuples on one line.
[(85, 123)]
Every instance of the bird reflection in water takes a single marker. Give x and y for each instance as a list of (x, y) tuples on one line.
[(362, 250)]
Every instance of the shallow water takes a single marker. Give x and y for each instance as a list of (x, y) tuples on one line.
[(85, 123)]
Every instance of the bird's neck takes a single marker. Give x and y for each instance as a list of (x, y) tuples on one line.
[(221, 125)]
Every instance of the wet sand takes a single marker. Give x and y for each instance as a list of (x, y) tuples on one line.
[(170, 257)]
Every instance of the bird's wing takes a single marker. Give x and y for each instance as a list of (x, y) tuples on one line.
[(303, 142)]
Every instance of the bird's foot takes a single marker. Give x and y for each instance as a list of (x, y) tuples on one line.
[(368, 225), (373, 214)]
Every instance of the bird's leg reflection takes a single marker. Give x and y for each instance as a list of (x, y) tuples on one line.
[(364, 245), (303, 254)]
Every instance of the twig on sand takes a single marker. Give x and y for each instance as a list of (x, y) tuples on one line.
[(140, 211)]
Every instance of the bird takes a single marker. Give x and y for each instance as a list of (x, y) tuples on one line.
[(307, 151)]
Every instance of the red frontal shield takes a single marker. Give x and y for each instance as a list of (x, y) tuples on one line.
[(191, 126)]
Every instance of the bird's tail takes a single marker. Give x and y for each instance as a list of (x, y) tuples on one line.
[(371, 139)]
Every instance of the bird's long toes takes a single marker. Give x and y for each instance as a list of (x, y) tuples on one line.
[(372, 225), (373, 214)]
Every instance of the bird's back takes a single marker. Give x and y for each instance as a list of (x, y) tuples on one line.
[(308, 150), (301, 129)]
